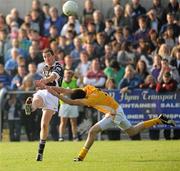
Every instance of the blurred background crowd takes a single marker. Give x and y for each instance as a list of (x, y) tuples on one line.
[(128, 47)]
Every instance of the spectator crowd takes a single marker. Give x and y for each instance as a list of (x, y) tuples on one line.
[(128, 47)]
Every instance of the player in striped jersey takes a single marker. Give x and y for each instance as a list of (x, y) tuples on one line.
[(114, 115), (52, 76)]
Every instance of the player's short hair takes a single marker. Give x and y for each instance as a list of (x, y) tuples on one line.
[(78, 94), (48, 50)]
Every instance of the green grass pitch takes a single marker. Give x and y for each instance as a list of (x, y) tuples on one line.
[(103, 156)]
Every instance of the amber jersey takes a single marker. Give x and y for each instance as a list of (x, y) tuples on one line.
[(99, 100)]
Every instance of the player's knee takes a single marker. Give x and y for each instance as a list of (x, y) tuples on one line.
[(92, 132), (44, 126)]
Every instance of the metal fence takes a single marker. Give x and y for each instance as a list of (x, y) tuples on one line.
[(89, 117)]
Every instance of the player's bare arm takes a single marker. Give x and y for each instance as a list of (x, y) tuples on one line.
[(52, 90), (61, 90), (78, 102)]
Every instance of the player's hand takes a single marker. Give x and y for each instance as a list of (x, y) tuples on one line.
[(52, 91), (39, 84)]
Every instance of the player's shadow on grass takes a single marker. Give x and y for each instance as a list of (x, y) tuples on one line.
[(155, 160)]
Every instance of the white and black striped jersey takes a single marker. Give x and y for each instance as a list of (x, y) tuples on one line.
[(57, 69)]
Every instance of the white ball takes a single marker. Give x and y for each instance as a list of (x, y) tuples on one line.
[(70, 8)]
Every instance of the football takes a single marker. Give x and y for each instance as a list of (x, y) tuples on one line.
[(70, 8)]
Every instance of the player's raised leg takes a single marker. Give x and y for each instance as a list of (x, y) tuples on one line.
[(162, 119), (46, 117), (33, 103)]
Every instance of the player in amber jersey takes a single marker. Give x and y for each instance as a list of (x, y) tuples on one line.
[(103, 102), (99, 100)]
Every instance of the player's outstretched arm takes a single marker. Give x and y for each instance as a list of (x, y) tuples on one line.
[(64, 99), (60, 90), (39, 84), (78, 102)]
